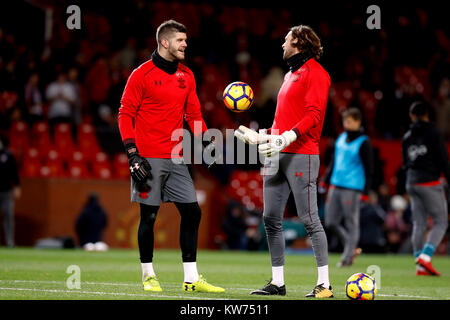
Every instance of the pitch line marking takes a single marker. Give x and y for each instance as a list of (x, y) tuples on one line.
[(108, 293), (175, 285)]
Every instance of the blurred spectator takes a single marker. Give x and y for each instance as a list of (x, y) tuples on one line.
[(91, 223), (62, 96), (73, 75), (33, 99), (239, 235), (441, 105), (372, 217), (395, 225), (9, 190)]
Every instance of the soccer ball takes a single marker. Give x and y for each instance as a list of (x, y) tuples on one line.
[(361, 286), (238, 96)]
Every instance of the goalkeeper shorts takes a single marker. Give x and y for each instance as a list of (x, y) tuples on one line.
[(170, 182)]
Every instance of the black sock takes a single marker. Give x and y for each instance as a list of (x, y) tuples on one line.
[(145, 232), (190, 220)]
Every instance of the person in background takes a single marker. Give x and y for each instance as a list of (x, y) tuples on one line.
[(395, 224), (425, 157), (9, 190), (90, 224), (350, 174), (371, 219)]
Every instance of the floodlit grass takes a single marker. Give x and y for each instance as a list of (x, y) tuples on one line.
[(32, 274)]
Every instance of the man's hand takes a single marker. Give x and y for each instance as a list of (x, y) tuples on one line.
[(140, 169), (272, 144), (247, 135)]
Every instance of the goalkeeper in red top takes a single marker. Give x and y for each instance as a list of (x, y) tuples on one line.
[(158, 96), (295, 132)]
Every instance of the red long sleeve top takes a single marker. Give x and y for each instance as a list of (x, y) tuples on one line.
[(154, 104), (301, 106)]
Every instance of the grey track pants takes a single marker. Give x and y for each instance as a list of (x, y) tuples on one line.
[(427, 200), (297, 173), (344, 204), (7, 210)]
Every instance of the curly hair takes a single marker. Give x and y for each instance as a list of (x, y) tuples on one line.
[(308, 41)]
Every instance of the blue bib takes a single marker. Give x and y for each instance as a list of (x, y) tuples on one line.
[(348, 169)]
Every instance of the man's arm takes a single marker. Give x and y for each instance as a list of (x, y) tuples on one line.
[(130, 103), (365, 153)]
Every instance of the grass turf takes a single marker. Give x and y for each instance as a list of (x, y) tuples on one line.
[(27, 273)]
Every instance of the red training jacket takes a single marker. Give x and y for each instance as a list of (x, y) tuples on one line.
[(156, 102), (301, 106)]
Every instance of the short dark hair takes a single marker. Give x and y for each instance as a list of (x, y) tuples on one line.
[(308, 41), (355, 113), (167, 27), (419, 109)]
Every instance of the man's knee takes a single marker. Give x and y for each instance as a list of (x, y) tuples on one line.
[(312, 225), (272, 224), (148, 213), (190, 212)]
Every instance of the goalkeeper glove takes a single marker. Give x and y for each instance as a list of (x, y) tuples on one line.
[(273, 144), (139, 166), (247, 135)]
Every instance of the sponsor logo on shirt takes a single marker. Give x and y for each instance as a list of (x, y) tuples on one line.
[(416, 151)]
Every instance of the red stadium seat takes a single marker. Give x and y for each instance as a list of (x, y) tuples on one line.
[(101, 167), (246, 187), (120, 165), (18, 138), (54, 165), (31, 163), (87, 141), (40, 137), (63, 140), (78, 170), (78, 166)]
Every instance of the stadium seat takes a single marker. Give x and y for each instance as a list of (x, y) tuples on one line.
[(78, 166), (54, 165), (78, 170), (120, 165), (87, 141), (40, 137), (18, 138), (101, 167), (246, 187), (63, 140), (31, 163)]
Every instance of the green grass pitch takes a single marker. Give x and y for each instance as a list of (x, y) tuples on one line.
[(32, 274)]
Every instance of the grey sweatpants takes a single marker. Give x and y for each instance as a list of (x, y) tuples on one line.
[(7, 210), (344, 204), (297, 173), (427, 200)]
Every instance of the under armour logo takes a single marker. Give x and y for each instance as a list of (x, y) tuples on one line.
[(158, 82), (134, 167), (299, 174)]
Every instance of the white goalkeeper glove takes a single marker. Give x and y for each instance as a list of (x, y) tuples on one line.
[(247, 135), (272, 144)]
